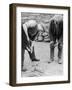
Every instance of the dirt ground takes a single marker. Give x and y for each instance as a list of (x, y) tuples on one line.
[(42, 68)]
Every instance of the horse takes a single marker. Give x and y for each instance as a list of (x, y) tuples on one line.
[(56, 36)]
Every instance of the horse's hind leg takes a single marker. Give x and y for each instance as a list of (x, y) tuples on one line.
[(60, 47), (51, 52)]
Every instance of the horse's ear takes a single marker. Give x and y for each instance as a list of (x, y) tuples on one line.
[(53, 21), (56, 23)]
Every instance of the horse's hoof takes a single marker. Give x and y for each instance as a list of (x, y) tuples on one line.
[(51, 60), (60, 61)]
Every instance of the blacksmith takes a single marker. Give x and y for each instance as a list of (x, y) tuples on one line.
[(29, 33)]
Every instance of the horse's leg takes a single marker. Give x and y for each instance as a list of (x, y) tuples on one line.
[(60, 47), (51, 52)]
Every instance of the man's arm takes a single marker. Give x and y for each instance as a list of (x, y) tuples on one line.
[(25, 30)]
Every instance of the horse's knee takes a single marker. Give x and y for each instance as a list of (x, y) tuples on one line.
[(52, 45), (60, 46)]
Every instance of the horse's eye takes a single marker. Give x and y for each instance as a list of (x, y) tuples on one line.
[(53, 21)]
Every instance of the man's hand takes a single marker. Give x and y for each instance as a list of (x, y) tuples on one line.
[(28, 49)]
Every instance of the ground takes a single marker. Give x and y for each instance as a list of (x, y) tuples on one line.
[(42, 68)]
